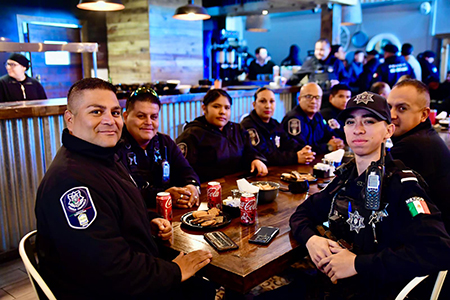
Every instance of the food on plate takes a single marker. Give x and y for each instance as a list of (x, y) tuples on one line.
[(207, 218), (296, 176)]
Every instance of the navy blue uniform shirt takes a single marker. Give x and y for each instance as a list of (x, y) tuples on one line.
[(392, 69)]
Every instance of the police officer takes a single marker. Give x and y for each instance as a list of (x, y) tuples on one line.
[(339, 95), (305, 123), (269, 137), (429, 71), (216, 147), (393, 68), (94, 236), (377, 209), (323, 68), (16, 85), (356, 67), (417, 144), (365, 78), (261, 65), (152, 158)]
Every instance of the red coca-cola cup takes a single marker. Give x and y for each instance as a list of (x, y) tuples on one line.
[(214, 195), (164, 205), (248, 209)]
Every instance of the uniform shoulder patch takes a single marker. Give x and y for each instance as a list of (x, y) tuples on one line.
[(183, 148), (407, 175), (334, 124), (78, 207), (254, 137), (294, 126), (417, 205)]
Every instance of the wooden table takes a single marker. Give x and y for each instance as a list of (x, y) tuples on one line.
[(242, 269)]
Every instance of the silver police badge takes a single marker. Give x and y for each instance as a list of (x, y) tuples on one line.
[(294, 127), (254, 137), (334, 124), (277, 141), (364, 98), (356, 221)]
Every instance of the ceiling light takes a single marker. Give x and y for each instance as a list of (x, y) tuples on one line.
[(257, 23), (191, 12), (99, 5), (265, 12)]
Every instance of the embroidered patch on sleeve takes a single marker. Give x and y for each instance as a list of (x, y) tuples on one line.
[(417, 205), (294, 127), (254, 137), (334, 124), (78, 207), (183, 148)]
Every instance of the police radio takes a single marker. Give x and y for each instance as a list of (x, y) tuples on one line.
[(374, 182), (165, 167)]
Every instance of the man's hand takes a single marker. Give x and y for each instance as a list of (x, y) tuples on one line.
[(162, 227), (192, 262), (340, 264), (180, 196), (335, 144), (195, 197), (319, 248), (305, 156), (260, 167)]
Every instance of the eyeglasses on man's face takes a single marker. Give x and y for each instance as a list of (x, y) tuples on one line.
[(310, 97)]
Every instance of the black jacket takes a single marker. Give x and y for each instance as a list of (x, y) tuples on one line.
[(255, 69), (146, 168), (315, 132), (11, 89), (408, 246), (429, 72), (115, 255), (271, 140), (392, 69), (214, 153), (423, 150), (365, 79), (331, 113)]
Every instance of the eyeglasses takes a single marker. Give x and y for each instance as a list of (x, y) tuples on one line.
[(12, 65), (143, 91), (311, 97)]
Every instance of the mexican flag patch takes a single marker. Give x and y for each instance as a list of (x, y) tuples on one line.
[(417, 205)]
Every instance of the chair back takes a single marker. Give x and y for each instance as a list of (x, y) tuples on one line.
[(412, 284), (28, 256)]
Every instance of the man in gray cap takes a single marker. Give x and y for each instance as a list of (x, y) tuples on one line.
[(393, 68), (17, 85)]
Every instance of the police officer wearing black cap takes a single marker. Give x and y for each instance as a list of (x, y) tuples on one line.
[(429, 70), (16, 85), (152, 158), (364, 80), (393, 68), (387, 231)]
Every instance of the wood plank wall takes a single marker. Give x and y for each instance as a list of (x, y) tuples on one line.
[(145, 44)]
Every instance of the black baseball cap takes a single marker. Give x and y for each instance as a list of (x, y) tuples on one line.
[(371, 102), (390, 48), (429, 53)]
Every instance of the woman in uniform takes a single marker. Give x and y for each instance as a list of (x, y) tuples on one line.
[(216, 147)]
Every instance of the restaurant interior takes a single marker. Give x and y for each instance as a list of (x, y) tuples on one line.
[(153, 43)]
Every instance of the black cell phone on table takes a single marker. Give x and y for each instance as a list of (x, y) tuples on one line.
[(264, 235)]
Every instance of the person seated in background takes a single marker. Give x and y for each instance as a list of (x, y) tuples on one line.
[(95, 239), (417, 144), (407, 52), (356, 67), (305, 124), (381, 88), (152, 158), (216, 147), (293, 58), (364, 80), (387, 247), (338, 52), (393, 68), (339, 95), (16, 85), (322, 67), (261, 65), (430, 72), (269, 137)]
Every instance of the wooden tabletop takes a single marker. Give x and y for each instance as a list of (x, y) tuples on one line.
[(242, 269)]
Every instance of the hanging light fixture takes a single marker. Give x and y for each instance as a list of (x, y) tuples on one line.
[(101, 5), (191, 12), (257, 23), (351, 14)]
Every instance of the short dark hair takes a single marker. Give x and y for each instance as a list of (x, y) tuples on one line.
[(339, 87), (212, 95), (407, 49), (324, 40), (358, 52), (420, 87), (377, 87), (87, 84), (142, 94), (259, 49), (262, 89)]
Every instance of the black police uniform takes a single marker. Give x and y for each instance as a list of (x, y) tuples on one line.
[(271, 140), (321, 71), (315, 132), (254, 69), (94, 237), (214, 153), (392, 69), (330, 115), (354, 71), (11, 89), (429, 72), (364, 80), (145, 166), (408, 244), (423, 150)]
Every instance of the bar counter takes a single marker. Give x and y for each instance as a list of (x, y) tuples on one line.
[(30, 135)]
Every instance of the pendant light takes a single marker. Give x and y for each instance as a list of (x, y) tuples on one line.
[(351, 14), (191, 12), (101, 5), (257, 23)]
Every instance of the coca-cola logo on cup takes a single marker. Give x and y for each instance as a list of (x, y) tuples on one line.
[(168, 204), (248, 205), (213, 192)]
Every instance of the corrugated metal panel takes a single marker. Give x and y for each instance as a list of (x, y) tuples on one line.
[(28, 146)]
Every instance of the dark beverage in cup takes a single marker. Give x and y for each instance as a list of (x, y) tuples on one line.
[(248, 209), (164, 205), (214, 195)]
